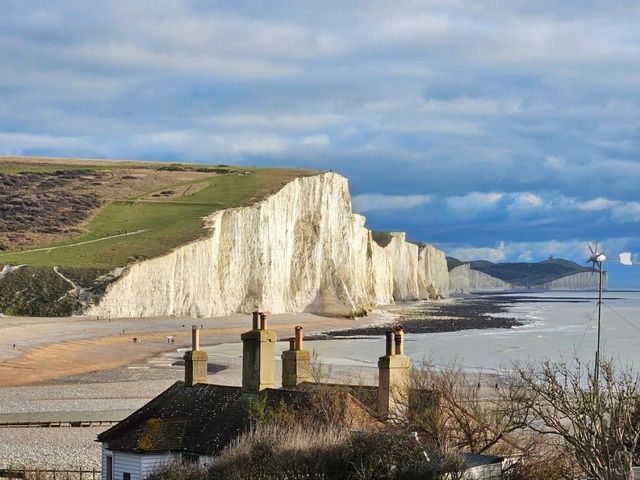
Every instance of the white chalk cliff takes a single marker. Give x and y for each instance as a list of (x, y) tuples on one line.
[(433, 275), (576, 281), (301, 249), (464, 279)]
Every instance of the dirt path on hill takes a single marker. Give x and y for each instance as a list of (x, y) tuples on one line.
[(48, 349), (48, 249)]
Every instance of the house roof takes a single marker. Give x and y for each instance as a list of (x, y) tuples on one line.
[(203, 418)]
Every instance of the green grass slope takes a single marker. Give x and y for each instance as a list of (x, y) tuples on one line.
[(138, 227), (146, 224)]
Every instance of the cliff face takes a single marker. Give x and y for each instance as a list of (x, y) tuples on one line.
[(301, 249), (577, 281), (403, 259), (464, 279), (433, 275)]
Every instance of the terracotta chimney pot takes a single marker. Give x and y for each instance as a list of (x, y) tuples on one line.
[(195, 338), (299, 338)]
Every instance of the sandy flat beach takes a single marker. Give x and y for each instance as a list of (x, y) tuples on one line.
[(48, 348)]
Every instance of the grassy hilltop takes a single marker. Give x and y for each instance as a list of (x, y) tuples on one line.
[(87, 217)]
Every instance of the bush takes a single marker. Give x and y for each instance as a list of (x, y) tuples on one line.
[(179, 471), (280, 451)]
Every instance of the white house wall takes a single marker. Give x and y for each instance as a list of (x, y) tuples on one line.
[(139, 465), (149, 462)]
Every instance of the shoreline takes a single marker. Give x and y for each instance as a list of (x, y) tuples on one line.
[(469, 313), (85, 346)]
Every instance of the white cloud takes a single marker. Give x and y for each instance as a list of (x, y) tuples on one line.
[(576, 250), (474, 106), (474, 203), (289, 121), (466, 254), (19, 143), (555, 163), (462, 128), (597, 204), (524, 203), (626, 212), (202, 144), (315, 142), (208, 64), (379, 202)]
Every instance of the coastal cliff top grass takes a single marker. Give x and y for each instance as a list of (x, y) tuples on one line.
[(106, 214)]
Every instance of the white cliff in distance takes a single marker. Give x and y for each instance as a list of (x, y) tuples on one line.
[(464, 279), (301, 249), (576, 281), (433, 275)]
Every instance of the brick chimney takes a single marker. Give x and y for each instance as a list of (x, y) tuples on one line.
[(295, 362), (195, 361), (393, 377), (258, 356)]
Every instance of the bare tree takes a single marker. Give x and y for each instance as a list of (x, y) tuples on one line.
[(461, 410), (599, 423)]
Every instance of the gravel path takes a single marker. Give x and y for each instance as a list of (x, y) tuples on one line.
[(73, 397), (64, 448)]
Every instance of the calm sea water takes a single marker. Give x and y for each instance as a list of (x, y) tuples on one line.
[(558, 324)]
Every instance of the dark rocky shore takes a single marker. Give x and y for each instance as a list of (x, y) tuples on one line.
[(433, 317)]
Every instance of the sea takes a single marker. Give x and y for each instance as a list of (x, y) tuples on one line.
[(556, 325)]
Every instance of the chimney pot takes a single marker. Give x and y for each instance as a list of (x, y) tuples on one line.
[(298, 338), (390, 343), (195, 361), (195, 338), (399, 340), (393, 377), (295, 362), (258, 356)]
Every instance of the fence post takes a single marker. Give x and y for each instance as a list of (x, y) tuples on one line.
[(54, 474), (80, 473), (93, 472)]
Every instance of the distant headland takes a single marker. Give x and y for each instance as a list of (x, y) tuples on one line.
[(551, 274)]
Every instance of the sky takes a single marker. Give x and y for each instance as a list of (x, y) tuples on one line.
[(498, 130)]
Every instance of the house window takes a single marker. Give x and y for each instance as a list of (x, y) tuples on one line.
[(126, 476), (190, 458), (109, 467)]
